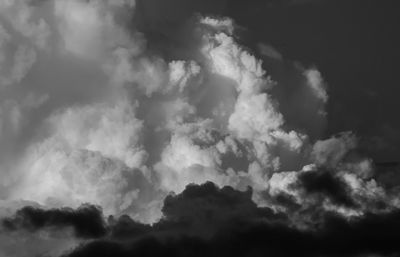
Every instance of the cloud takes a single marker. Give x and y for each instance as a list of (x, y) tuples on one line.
[(91, 154), (252, 230), (315, 81), (14, 113), (269, 51), (89, 29), (255, 117), (330, 152), (175, 123), (261, 239), (110, 129), (87, 221), (181, 72), (224, 24), (23, 18), (191, 157), (49, 231), (22, 33), (147, 74), (207, 208), (327, 184), (15, 66), (314, 190), (157, 117)]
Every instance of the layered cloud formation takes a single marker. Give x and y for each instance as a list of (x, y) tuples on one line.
[(96, 119)]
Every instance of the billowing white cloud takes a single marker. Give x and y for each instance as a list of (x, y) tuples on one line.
[(111, 130), (90, 155), (255, 117), (228, 59), (183, 162), (281, 183)]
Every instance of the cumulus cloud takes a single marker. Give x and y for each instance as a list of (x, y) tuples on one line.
[(203, 142), (90, 155)]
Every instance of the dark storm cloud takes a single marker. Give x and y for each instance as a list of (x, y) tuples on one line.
[(200, 210), (87, 221), (209, 204), (248, 236), (125, 227), (239, 229)]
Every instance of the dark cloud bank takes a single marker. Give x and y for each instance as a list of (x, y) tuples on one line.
[(205, 220)]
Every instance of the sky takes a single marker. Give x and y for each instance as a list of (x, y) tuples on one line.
[(199, 128)]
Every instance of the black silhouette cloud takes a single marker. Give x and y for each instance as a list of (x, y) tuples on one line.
[(87, 221), (234, 226)]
